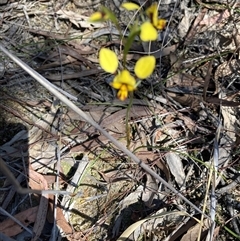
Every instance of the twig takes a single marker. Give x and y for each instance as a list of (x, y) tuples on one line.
[(71, 105), (15, 220)]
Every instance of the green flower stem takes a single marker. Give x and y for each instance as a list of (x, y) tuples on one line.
[(127, 119)]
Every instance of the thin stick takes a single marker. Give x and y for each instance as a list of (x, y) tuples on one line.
[(15, 220), (71, 105)]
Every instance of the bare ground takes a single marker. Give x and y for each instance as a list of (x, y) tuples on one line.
[(183, 123)]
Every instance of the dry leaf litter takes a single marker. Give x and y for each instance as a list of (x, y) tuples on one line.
[(182, 120)]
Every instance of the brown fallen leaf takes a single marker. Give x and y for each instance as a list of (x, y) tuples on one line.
[(192, 233), (185, 80), (77, 236), (37, 181), (10, 228), (217, 101), (182, 229), (193, 101), (60, 219), (189, 123), (51, 178), (216, 19), (155, 159)]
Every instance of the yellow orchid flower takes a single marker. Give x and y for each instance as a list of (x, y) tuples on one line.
[(103, 15), (98, 16), (152, 13), (161, 24), (149, 29), (124, 82), (130, 6)]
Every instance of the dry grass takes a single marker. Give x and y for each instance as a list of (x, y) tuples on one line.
[(183, 124)]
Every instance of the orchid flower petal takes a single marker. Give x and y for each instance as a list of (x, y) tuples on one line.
[(144, 67), (130, 6), (148, 32), (108, 60)]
